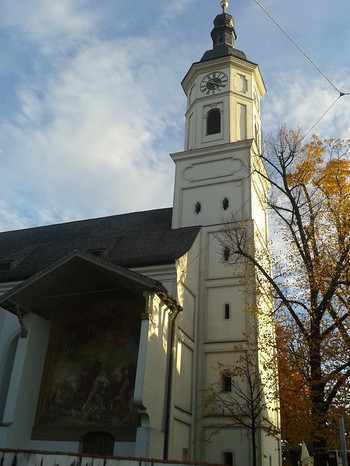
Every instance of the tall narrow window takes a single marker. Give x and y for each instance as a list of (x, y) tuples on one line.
[(197, 207), (213, 121), (225, 203), (226, 311)]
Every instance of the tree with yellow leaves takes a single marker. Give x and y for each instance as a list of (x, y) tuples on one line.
[(294, 399), (309, 202)]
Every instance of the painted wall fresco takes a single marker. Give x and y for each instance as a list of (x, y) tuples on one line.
[(90, 375)]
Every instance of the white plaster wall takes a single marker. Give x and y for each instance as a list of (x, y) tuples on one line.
[(232, 439), (209, 176), (215, 266), (9, 330), (184, 381), (218, 355), (182, 437), (211, 200), (259, 213), (271, 450), (183, 376), (25, 382), (217, 328), (185, 320), (8, 325), (151, 386)]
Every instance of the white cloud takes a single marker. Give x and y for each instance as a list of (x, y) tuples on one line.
[(298, 100), (89, 136), (46, 23), (84, 137)]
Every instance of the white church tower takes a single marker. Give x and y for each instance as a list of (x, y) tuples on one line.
[(223, 130), (214, 184)]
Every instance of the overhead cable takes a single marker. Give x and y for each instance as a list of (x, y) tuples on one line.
[(341, 94), (323, 115)]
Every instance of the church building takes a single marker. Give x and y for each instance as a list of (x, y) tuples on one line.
[(111, 328)]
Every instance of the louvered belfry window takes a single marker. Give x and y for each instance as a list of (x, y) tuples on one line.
[(213, 121)]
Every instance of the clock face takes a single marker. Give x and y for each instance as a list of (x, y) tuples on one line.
[(213, 83)]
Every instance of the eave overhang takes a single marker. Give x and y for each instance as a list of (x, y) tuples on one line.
[(75, 278)]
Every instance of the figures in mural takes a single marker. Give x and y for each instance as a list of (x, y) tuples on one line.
[(122, 403), (96, 401), (102, 397), (92, 376)]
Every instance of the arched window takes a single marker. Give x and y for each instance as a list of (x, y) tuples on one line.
[(97, 443), (213, 121), (228, 458), (197, 207)]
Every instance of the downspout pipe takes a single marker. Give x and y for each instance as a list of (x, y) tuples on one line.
[(171, 355)]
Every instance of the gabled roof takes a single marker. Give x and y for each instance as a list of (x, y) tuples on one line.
[(74, 279), (129, 240)]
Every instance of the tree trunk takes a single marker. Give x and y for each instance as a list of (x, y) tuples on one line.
[(254, 444), (318, 406)]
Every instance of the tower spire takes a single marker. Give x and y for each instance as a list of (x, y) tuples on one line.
[(224, 28), (223, 36)]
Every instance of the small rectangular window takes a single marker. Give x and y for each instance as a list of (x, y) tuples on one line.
[(226, 254), (95, 252), (226, 383), (5, 265), (226, 311)]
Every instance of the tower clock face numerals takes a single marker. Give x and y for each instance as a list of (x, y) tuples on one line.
[(213, 83)]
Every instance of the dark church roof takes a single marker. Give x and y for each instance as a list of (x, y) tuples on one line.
[(222, 51), (130, 240)]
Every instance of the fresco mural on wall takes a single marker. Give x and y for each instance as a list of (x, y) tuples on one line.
[(91, 370)]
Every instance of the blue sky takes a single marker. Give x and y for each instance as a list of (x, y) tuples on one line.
[(91, 103)]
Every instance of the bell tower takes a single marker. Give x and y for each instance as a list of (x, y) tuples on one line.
[(216, 185), (223, 93)]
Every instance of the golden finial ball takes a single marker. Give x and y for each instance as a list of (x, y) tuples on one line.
[(224, 4)]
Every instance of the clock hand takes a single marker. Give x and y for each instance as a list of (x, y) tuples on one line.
[(215, 83)]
